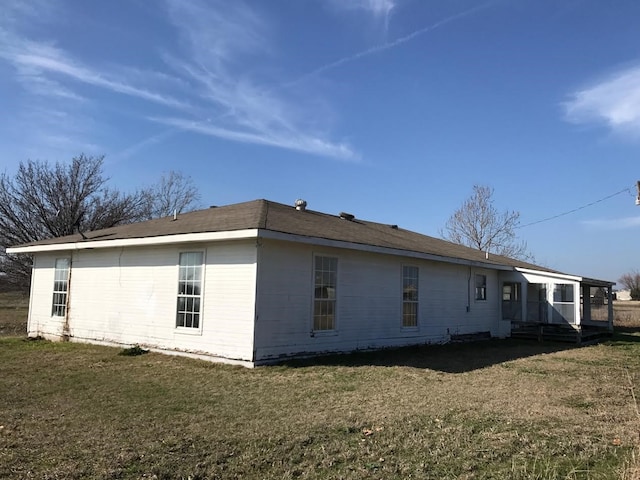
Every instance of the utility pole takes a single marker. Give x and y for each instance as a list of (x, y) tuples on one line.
[(638, 197)]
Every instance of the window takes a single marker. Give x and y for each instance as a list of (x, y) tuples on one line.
[(324, 296), (60, 287), (189, 290), (409, 296), (481, 287)]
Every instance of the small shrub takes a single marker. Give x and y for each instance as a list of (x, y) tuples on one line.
[(133, 351)]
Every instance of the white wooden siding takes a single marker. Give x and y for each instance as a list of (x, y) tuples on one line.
[(128, 296), (369, 302)]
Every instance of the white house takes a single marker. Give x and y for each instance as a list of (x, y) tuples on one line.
[(257, 282)]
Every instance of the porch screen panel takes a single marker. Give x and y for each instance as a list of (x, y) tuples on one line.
[(537, 306), (511, 302), (563, 304)]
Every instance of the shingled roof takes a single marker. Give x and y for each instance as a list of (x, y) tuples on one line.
[(265, 215)]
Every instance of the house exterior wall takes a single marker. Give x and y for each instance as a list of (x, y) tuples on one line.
[(369, 302), (129, 296)]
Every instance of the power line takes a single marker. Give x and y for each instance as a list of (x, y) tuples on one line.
[(628, 190)]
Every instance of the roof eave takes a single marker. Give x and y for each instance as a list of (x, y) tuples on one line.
[(138, 241)]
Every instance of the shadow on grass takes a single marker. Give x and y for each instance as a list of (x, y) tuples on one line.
[(625, 335), (627, 329), (449, 358)]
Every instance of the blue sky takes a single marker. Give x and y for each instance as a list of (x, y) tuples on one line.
[(388, 109)]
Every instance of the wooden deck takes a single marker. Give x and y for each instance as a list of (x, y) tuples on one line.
[(586, 334)]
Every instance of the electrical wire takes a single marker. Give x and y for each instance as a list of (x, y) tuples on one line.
[(628, 190)]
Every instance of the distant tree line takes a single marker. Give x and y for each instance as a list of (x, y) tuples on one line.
[(44, 200), (631, 281)]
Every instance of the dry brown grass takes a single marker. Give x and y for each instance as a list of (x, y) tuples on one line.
[(627, 314), (14, 308), (498, 409)]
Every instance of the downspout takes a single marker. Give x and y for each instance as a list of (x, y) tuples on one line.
[(256, 292), (469, 291), (610, 308), (66, 333), (29, 318)]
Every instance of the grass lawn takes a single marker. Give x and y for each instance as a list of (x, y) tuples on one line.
[(496, 409)]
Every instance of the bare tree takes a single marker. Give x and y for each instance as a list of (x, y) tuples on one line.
[(478, 224), (632, 282), (174, 192), (45, 201)]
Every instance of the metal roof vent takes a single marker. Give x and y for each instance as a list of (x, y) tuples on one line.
[(346, 216), (301, 204)]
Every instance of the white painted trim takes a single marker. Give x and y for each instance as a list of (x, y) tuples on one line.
[(561, 276), (134, 242)]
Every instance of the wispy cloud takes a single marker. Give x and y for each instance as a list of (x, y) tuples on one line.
[(376, 8), (289, 140), (614, 224), (219, 36), (38, 59), (206, 80), (389, 45), (614, 101)]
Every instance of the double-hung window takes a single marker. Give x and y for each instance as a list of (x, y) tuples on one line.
[(60, 287), (481, 287), (324, 296), (189, 290), (410, 296)]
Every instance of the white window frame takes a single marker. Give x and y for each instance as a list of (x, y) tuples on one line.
[(411, 302), (480, 292), (318, 301), (60, 287), (186, 295)]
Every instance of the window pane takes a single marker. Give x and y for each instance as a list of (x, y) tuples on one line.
[(60, 285), (324, 292), (189, 289)]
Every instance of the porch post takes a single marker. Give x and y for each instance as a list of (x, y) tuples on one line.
[(586, 303), (610, 307)]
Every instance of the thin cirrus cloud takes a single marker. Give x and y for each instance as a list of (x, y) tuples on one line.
[(219, 36), (614, 224), (614, 101), (40, 59), (389, 45), (206, 87)]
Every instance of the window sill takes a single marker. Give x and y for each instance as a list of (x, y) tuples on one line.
[(188, 331), (324, 333), (410, 329)]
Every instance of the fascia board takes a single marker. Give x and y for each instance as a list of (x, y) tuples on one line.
[(139, 242), (542, 273), (324, 242)]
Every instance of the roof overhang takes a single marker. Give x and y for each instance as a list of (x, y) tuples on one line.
[(138, 242), (562, 276), (324, 242)]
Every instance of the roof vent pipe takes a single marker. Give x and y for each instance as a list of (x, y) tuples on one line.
[(175, 213), (301, 204)]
